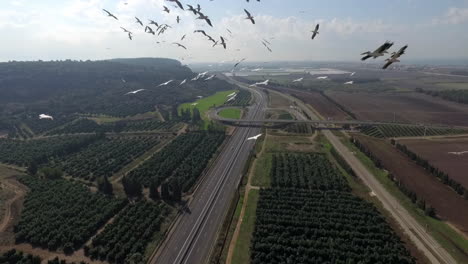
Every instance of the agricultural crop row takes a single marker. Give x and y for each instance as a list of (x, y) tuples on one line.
[(243, 98), (387, 131), (299, 129), (310, 216), (105, 157), (90, 126), (22, 153), (184, 158), (306, 171), (126, 238), (62, 214)]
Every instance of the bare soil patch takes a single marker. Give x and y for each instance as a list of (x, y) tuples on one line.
[(403, 107), (321, 104), (447, 154), (449, 205)]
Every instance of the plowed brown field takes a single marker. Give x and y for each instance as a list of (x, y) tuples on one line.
[(449, 205), (402, 107), (447, 154)]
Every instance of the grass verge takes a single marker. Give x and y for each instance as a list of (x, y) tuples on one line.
[(241, 253), (232, 113)]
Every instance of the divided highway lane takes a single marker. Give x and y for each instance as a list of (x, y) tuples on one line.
[(192, 238)]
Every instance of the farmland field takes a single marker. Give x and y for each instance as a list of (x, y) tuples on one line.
[(321, 104), (59, 214), (388, 131), (129, 233), (448, 204), (403, 107), (184, 158), (441, 153), (318, 220), (105, 157)]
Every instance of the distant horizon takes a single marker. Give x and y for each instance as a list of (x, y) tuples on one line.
[(434, 62)]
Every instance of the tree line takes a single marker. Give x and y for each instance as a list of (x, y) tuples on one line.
[(439, 174), (418, 201)]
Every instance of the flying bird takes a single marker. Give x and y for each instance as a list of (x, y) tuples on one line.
[(110, 14), (166, 83), (458, 153), (352, 74), (223, 42), (395, 57), (198, 8), (44, 116), (210, 78), (138, 21), (183, 37), (192, 9), (249, 16), (237, 64), (260, 83), (125, 30), (152, 22), (298, 80), (204, 17), (349, 83), (166, 9), (322, 78), (180, 45), (183, 82), (178, 19), (316, 31), (177, 2), (130, 35), (149, 30), (255, 137), (200, 31), (135, 92), (378, 52)]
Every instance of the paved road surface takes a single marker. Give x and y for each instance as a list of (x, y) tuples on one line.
[(194, 235), (425, 242)]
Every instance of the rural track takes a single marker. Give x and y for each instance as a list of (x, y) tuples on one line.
[(415, 231), (193, 236), (19, 193)]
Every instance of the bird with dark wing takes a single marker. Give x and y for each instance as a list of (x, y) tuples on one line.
[(178, 3), (249, 16), (316, 31), (180, 45), (200, 31), (110, 14), (125, 30), (153, 23), (166, 9), (178, 19), (378, 52), (183, 37), (149, 30), (138, 21), (223, 42), (395, 57), (204, 17), (130, 35), (191, 8)]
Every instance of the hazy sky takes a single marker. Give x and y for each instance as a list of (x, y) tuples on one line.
[(79, 29)]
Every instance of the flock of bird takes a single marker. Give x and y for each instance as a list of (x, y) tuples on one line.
[(155, 28)]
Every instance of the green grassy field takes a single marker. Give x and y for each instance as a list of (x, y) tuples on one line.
[(261, 176), (241, 254), (204, 104), (449, 239), (233, 113)]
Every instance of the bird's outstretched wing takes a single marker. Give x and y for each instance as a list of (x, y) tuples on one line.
[(389, 62)]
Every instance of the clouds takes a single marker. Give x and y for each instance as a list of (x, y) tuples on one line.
[(79, 29)]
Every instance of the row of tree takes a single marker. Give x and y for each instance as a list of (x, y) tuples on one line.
[(126, 238), (439, 174), (418, 201), (61, 214)]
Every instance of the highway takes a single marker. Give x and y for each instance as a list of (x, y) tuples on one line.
[(192, 237), (424, 241)]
